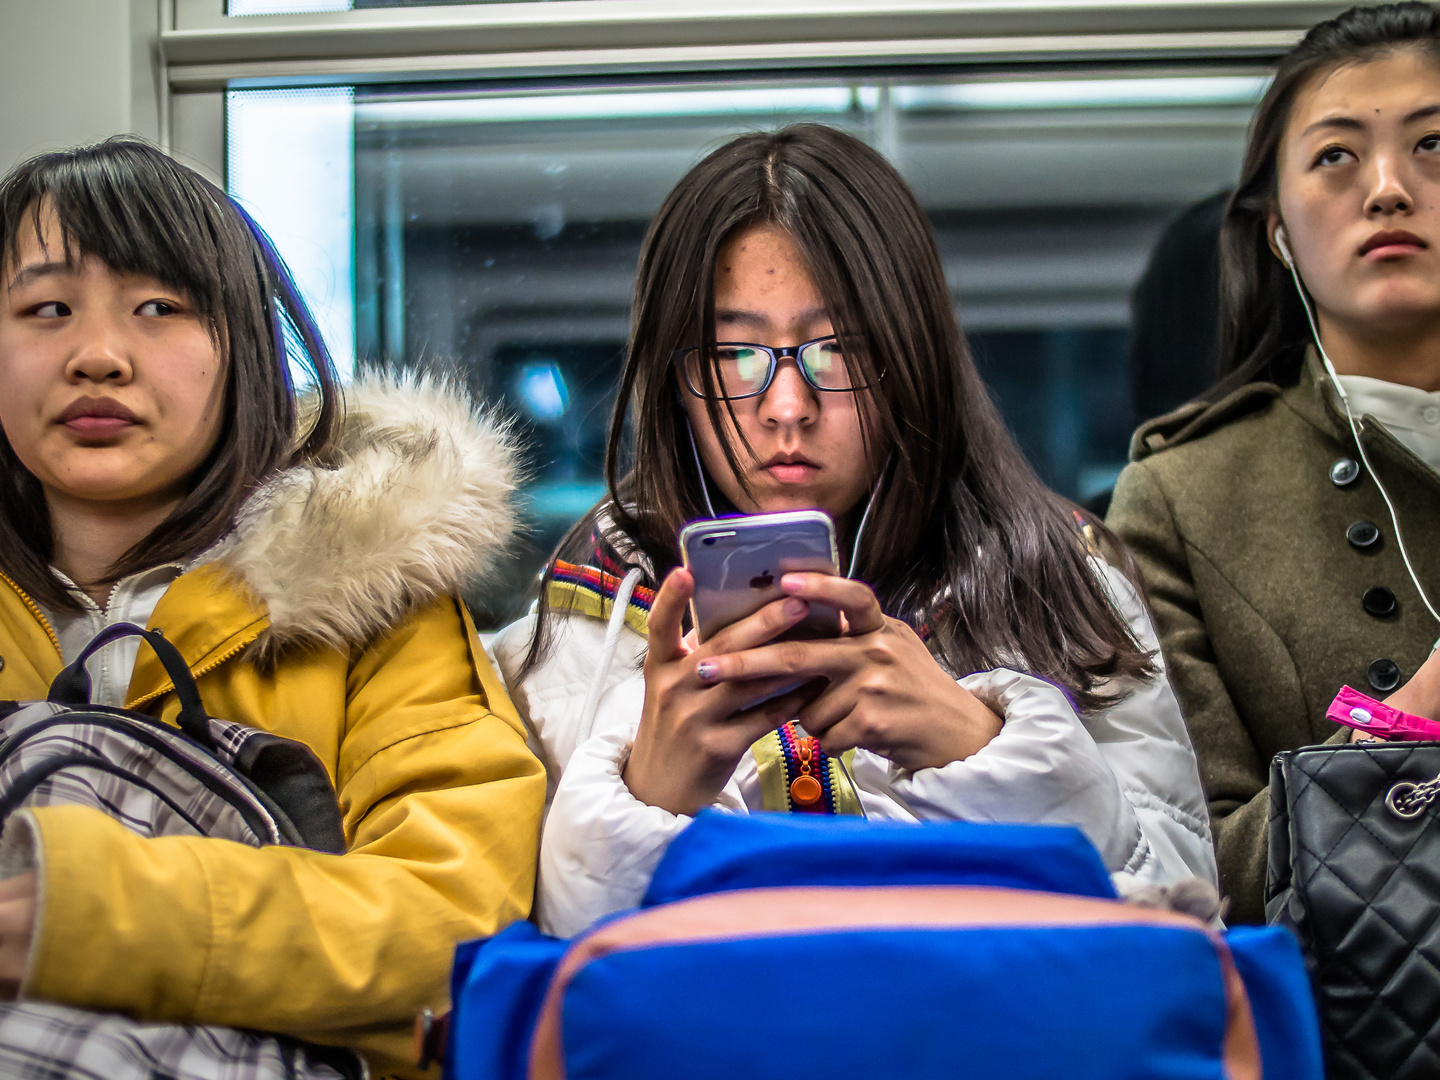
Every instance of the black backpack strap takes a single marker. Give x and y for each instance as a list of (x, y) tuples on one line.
[(72, 686)]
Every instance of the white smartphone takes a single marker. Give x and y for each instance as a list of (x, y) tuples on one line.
[(737, 563)]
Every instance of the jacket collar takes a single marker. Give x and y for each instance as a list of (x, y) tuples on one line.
[(204, 613), (31, 654), (1315, 401)]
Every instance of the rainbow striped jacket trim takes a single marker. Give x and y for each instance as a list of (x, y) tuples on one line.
[(591, 591)]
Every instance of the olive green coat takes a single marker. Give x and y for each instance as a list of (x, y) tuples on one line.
[(1241, 535)]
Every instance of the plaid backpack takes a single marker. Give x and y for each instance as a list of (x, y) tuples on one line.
[(208, 777)]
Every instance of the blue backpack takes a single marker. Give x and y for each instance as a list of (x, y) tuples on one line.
[(783, 946)]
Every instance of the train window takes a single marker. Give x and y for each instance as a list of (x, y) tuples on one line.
[(495, 233)]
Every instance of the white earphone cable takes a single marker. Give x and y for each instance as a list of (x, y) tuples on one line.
[(699, 469), (1289, 262), (865, 520)]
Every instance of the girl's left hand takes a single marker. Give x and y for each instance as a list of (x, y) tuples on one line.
[(886, 693)]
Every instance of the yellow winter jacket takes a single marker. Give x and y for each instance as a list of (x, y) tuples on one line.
[(319, 625)]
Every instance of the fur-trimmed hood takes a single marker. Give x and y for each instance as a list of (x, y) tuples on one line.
[(414, 500)]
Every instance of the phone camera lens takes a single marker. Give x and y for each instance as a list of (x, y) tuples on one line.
[(708, 541)]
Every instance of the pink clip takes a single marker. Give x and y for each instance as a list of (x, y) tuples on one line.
[(1355, 710)]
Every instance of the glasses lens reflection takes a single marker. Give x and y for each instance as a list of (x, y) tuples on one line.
[(825, 364), (742, 370), (735, 371), (738, 371)]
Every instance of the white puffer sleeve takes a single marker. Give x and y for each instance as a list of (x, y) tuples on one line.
[(600, 844), (1042, 768), (1144, 740), (1126, 776)]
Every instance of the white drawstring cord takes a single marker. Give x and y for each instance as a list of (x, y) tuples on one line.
[(607, 654)]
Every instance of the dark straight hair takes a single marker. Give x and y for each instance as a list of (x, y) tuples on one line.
[(1263, 330), (126, 203), (963, 538)]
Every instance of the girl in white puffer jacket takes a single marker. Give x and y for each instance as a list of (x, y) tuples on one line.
[(993, 667)]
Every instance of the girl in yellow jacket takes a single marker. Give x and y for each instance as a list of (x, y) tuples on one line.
[(156, 468)]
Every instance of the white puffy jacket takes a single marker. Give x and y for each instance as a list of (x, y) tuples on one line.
[(1126, 776)]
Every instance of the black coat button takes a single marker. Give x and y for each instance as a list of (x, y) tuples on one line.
[(1344, 472), (1379, 601), (2, 663), (1362, 535), (1384, 675)]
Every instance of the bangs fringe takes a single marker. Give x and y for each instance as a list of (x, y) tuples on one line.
[(106, 201)]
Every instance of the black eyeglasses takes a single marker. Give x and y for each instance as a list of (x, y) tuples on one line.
[(740, 369)]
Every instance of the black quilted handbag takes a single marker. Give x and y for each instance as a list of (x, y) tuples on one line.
[(1354, 871)]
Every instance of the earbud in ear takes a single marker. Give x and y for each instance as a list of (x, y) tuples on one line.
[(1284, 245)]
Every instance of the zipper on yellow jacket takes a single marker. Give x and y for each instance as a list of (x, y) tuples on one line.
[(35, 610), (195, 673)]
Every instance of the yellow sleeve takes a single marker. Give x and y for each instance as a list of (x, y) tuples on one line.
[(442, 805)]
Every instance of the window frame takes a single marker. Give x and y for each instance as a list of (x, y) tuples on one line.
[(203, 52), (206, 50)]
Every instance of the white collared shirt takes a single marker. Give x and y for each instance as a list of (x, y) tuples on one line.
[(132, 600), (1410, 414)]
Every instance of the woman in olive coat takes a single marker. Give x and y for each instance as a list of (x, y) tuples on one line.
[(1275, 569)]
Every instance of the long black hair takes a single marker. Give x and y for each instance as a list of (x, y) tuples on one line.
[(126, 203), (963, 537), (1263, 330)]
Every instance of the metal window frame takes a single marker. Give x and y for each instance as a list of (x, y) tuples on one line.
[(206, 50), (203, 52)]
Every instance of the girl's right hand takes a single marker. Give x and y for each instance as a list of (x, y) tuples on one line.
[(693, 734)]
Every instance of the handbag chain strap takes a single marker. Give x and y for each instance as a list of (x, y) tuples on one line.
[(1410, 800)]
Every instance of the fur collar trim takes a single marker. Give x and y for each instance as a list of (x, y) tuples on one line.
[(414, 500)]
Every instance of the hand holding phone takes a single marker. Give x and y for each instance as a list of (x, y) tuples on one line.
[(692, 734), (737, 563), (882, 690)]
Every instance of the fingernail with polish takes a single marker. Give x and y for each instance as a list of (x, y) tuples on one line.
[(706, 670)]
